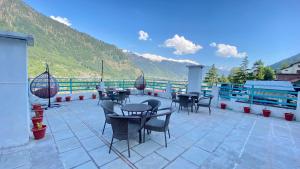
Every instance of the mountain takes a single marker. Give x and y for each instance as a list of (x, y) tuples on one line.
[(286, 62), (71, 53)]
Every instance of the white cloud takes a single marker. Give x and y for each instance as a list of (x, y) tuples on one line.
[(62, 20), (143, 35), (158, 58), (228, 51), (182, 45)]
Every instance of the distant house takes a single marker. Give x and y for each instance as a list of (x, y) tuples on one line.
[(290, 73)]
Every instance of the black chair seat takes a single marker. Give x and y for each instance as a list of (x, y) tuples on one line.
[(155, 124)]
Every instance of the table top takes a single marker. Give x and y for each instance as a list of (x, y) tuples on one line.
[(137, 107)]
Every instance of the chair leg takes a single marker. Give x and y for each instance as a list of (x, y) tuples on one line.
[(112, 139), (128, 147), (144, 135), (209, 110), (165, 139), (169, 133), (188, 111), (103, 127), (98, 102)]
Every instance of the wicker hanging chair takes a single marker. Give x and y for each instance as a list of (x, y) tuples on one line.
[(140, 82), (44, 86)]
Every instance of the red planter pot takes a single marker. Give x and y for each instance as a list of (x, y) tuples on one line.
[(81, 97), (289, 116), (266, 113), (149, 93), (94, 96), (36, 106), (68, 98), (223, 106), (36, 120), (155, 94), (39, 112), (58, 99), (39, 133), (246, 109)]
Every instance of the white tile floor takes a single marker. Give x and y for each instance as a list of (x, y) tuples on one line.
[(225, 139)]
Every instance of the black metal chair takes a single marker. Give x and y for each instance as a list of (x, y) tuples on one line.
[(174, 98), (121, 97), (184, 101), (205, 102), (123, 128), (127, 94), (154, 104), (159, 125), (101, 97), (108, 108)]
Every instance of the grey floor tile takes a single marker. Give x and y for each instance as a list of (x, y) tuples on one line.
[(91, 143), (152, 161), (15, 159), (196, 155), (101, 155), (67, 144), (87, 165), (170, 152), (181, 163), (74, 157), (116, 164), (63, 134), (146, 148)]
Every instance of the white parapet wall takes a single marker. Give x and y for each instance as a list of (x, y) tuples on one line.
[(14, 107)]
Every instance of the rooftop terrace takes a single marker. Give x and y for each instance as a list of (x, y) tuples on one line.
[(224, 139)]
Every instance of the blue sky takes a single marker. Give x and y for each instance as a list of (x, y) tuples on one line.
[(206, 31)]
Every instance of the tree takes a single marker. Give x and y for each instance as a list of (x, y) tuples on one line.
[(223, 79), (212, 75), (269, 73), (241, 74), (260, 72)]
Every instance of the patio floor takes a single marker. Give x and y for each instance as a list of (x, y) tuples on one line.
[(223, 140)]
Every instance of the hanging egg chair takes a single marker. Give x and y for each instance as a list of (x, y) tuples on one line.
[(140, 82), (44, 86)]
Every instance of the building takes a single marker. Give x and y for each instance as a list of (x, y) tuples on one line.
[(290, 73)]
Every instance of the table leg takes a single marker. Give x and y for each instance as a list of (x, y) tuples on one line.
[(140, 136)]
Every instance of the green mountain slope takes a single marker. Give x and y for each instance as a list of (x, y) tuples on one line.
[(286, 62), (71, 53)]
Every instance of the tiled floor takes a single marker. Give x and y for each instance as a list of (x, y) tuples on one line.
[(225, 139)]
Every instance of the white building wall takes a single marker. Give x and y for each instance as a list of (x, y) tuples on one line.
[(14, 108), (291, 70), (194, 78)]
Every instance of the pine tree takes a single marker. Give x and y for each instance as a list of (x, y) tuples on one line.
[(212, 75), (269, 73)]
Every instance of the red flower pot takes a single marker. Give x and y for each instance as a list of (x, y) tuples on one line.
[(39, 112), (58, 99), (223, 106), (266, 113), (36, 120), (289, 116), (94, 96), (246, 109), (149, 93), (68, 98), (36, 106), (155, 94), (39, 133), (81, 97)]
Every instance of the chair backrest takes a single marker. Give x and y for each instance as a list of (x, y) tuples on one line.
[(210, 98), (153, 103), (127, 91), (119, 126), (168, 116), (108, 108), (195, 93), (183, 100), (122, 95), (174, 96)]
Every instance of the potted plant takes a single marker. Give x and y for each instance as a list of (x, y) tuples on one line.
[(36, 120), (155, 94), (289, 116), (246, 109), (149, 93), (81, 97), (223, 105), (39, 131), (58, 99), (68, 98), (266, 112), (39, 112), (94, 96), (36, 106)]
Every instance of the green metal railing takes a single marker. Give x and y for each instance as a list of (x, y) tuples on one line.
[(253, 95)]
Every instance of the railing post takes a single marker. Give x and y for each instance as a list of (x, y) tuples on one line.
[(123, 85), (297, 112), (71, 84), (251, 95), (153, 83)]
